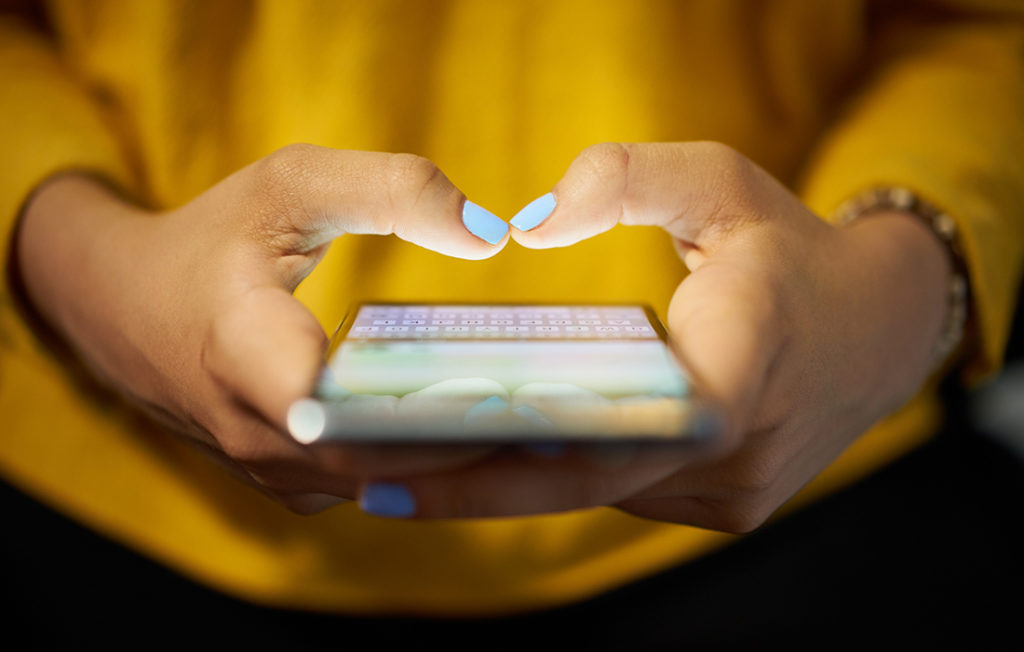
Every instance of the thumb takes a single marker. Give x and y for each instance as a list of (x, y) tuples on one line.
[(266, 348), (725, 325), (302, 196), (699, 192)]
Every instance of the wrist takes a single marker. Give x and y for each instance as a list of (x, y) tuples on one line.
[(896, 304), (64, 255), (898, 201)]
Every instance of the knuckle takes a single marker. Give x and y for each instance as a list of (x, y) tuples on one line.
[(217, 350), (283, 168), (281, 182), (607, 161), (730, 192), (410, 177), (719, 152), (213, 349), (412, 170), (729, 165)]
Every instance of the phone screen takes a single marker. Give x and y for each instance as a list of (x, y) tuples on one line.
[(461, 372)]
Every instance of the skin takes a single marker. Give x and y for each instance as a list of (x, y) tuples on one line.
[(805, 333)]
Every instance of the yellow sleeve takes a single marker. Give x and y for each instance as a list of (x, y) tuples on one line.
[(48, 124), (940, 111)]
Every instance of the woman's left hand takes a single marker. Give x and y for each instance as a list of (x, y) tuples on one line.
[(805, 333)]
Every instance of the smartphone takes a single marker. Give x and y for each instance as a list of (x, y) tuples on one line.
[(449, 373)]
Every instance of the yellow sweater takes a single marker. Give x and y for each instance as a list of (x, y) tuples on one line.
[(167, 97)]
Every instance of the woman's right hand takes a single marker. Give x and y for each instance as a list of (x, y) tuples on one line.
[(190, 313)]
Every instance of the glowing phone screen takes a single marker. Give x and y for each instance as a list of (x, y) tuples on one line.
[(409, 371)]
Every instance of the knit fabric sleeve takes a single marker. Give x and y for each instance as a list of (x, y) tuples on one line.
[(49, 123), (940, 111)]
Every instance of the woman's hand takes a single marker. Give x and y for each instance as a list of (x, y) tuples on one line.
[(189, 312), (805, 333)]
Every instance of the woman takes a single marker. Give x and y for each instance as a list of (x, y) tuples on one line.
[(167, 215)]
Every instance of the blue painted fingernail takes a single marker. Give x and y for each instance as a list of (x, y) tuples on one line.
[(534, 213), (534, 417), (543, 448), (493, 405), (387, 499), (706, 426), (483, 224)]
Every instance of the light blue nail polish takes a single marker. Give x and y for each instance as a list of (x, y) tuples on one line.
[(387, 499), (550, 449), (493, 405), (483, 224), (534, 417), (706, 426), (534, 213)]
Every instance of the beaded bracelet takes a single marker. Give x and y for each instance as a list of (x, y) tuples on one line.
[(896, 198)]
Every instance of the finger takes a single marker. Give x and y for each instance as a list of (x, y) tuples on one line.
[(725, 322), (265, 351), (367, 460), (696, 191), (441, 407), (256, 454), (307, 504), (516, 485), (727, 498), (685, 510), (303, 196)]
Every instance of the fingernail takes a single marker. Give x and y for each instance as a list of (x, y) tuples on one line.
[(387, 499), (549, 449), (534, 213), (706, 426), (483, 224), (306, 420), (534, 417), (490, 406)]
